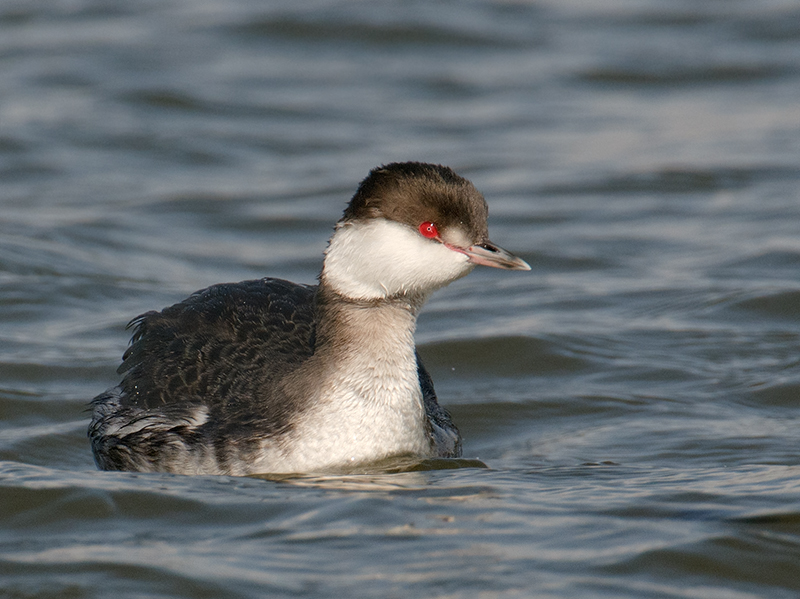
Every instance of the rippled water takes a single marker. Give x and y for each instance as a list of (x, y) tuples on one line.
[(636, 397)]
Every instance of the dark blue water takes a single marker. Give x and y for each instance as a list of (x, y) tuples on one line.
[(636, 396)]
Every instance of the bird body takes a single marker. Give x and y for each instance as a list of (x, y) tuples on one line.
[(269, 376)]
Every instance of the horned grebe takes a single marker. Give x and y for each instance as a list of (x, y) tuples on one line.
[(270, 376)]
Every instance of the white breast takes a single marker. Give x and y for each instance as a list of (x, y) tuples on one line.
[(367, 406)]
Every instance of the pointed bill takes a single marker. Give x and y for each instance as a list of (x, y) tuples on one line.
[(489, 254)]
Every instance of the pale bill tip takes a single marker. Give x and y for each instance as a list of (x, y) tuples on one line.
[(489, 254)]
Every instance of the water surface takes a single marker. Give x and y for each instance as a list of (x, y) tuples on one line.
[(635, 397)]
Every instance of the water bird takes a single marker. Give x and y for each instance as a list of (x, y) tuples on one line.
[(269, 376)]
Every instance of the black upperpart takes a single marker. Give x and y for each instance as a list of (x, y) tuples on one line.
[(415, 192)]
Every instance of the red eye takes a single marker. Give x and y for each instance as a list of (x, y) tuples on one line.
[(429, 230)]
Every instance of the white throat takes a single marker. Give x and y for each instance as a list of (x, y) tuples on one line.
[(379, 259)]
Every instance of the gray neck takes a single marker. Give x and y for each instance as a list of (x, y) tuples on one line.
[(367, 402), (374, 330)]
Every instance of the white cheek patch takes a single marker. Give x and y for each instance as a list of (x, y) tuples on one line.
[(380, 258), (457, 237)]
